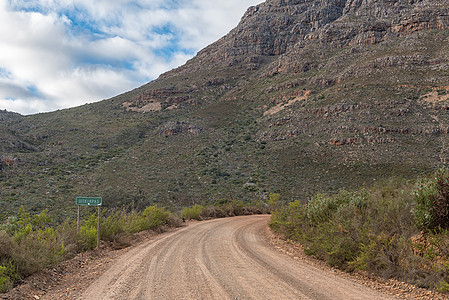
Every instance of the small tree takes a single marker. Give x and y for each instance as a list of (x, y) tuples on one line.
[(274, 201)]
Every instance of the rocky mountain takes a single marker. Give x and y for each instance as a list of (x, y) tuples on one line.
[(303, 96)]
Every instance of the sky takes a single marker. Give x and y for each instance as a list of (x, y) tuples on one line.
[(58, 54)]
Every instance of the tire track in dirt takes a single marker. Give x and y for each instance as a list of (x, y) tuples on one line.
[(219, 259)]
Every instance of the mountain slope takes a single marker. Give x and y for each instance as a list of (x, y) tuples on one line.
[(302, 96)]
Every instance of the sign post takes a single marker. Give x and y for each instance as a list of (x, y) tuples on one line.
[(78, 219), (90, 201), (98, 229)]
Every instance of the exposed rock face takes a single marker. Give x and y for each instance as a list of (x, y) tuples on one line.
[(277, 26), (293, 33)]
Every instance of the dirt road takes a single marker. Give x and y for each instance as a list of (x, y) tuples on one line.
[(219, 259)]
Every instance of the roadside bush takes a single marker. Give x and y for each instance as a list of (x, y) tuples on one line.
[(38, 250), (174, 220), (289, 221), (222, 209), (192, 213), (432, 201), (7, 246), (117, 224), (212, 212), (274, 201), (112, 226), (8, 271), (27, 245), (8, 275), (70, 238), (31, 243), (237, 208), (134, 222), (376, 230), (87, 237), (155, 217), (38, 245)]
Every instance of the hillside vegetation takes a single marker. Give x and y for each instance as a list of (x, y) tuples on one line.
[(281, 104)]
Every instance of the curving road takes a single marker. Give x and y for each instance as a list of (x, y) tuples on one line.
[(219, 259)]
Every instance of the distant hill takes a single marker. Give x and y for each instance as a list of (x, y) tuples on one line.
[(301, 97)]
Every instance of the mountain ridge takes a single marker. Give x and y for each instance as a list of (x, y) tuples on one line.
[(301, 97)]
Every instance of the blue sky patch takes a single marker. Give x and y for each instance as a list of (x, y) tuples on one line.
[(4, 73)]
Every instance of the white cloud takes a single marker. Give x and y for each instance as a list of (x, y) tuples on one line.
[(63, 53)]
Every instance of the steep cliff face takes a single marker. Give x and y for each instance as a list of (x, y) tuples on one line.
[(273, 27), (289, 28), (276, 27)]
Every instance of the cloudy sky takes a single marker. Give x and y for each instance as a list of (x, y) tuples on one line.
[(63, 53)]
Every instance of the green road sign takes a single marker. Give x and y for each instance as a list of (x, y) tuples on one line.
[(92, 201)]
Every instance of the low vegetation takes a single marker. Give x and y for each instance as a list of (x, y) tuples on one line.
[(398, 229), (31, 243)]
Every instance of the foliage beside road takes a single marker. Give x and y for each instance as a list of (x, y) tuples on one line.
[(397, 229), (31, 243)]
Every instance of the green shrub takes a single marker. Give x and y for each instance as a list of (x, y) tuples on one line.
[(370, 230), (422, 211), (28, 245), (8, 275), (238, 208), (87, 237), (134, 222), (37, 244), (7, 246), (320, 208), (8, 270), (5, 282), (174, 220), (274, 201), (192, 213), (443, 286), (67, 232), (289, 221), (432, 201), (112, 227), (115, 225), (155, 217)]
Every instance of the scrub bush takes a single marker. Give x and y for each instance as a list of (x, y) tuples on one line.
[(392, 230), (432, 201), (192, 213)]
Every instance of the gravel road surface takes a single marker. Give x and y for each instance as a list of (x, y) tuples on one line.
[(219, 259)]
